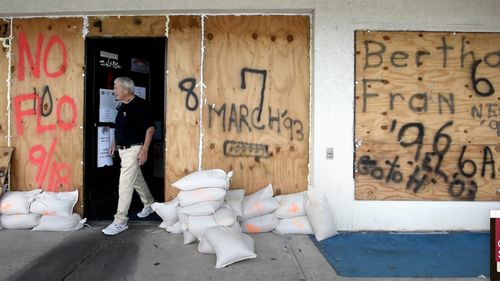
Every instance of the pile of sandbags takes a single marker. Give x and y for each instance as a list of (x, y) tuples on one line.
[(38, 210), (206, 211)]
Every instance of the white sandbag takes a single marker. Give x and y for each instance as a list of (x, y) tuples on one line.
[(265, 223), (54, 203), (229, 245), (60, 223), (201, 209), (215, 178), (174, 228), (252, 209), (17, 202), (197, 224), (234, 198), (188, 236), (320, 217), (261, 194), (187, 198), (225, 216), (291, 205), (205, 247), (253, 203), (167, 211), (20, 221), (296, 225)]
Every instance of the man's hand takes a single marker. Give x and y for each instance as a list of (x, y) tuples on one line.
[(143, 155), (111, 150)]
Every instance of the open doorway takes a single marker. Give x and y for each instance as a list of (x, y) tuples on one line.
[(143, 60)]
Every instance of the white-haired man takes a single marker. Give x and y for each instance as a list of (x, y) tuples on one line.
[(134, 129)]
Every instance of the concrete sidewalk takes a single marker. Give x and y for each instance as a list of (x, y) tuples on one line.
[(146, 252)]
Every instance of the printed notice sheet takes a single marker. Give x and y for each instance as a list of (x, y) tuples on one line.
[(105, 137), (107, 106)]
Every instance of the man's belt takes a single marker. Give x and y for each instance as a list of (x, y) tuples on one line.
[(127, 146)]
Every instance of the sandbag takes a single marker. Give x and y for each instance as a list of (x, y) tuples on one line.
[(17, 202), (296, 225), (260, 224), (201, 209), (60, 223), (229, 245), (291, 205), (187, 198), (167, 211), (215, 178), (320, 217), (188, 236), (205, 247), (197, 224), (252, 208), (234, 198), (174, 228), (55, 203), (225, 216), (20, 221)]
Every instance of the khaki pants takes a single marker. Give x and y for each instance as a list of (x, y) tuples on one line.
[(130, 178)]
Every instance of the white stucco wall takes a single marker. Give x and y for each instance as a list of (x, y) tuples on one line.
[(334, 23)]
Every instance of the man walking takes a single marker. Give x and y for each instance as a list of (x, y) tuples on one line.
[(134, 130)]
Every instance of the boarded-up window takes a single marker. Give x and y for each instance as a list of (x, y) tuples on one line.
[(47, 104), (255, 108), (427, 115)]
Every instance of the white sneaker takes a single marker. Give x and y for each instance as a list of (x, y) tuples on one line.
[(114, 229), (146, 211)]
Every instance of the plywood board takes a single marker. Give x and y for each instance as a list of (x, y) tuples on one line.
[(47, 104), (256, 116), (182, 100), (4, 70), (129, 26), (417, 89)]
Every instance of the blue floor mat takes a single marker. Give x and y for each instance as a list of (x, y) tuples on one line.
[(386, 254)]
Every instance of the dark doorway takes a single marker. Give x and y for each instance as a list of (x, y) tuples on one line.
[(143, 60)]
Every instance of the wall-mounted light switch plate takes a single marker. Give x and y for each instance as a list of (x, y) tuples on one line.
[(329, 153)]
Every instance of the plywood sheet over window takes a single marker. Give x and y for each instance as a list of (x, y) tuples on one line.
[(255, 107), (427, 121), (183, 115), (256, 116), (47, 104), (4, 70)]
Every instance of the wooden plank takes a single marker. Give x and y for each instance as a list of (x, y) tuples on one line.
[(129, 26), (182, 133), (241, 52), (415, 87), (384, 172), (4, 70), (47, 117)]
